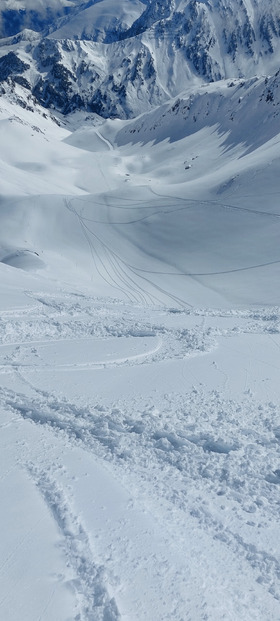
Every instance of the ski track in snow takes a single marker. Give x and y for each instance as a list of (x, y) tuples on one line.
[(116, 272), (197, 460), (206, 458), (92, 596), (140, 442)]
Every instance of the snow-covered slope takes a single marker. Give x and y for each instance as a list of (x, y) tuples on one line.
[(101, 21), (139, 311), (181, 205), (139, 426), (121, 62)]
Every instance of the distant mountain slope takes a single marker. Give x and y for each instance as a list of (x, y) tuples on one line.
[(15, 15), (104, 20), (243, 111), (119, 61)]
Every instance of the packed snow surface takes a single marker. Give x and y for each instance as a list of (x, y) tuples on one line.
[(139, 368)]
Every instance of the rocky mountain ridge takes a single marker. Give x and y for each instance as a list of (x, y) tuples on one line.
[(83, 56)]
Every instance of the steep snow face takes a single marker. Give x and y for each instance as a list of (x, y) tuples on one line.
[(235, 107), (102, 21), (119, 61)]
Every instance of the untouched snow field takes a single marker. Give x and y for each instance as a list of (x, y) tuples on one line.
[(139, 368)]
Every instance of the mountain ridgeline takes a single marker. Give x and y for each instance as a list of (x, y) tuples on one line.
[(121, 61)]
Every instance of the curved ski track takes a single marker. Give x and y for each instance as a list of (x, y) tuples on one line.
[(213, 458)]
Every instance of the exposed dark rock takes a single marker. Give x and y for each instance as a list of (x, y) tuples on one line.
[(19, 79), (11, 65), (211, 40)]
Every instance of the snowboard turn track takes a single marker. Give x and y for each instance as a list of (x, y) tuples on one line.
[(162, 500)]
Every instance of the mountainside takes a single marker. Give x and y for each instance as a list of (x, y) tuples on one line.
[(133, 75), (39, 15), (139, 310), (121, 61)]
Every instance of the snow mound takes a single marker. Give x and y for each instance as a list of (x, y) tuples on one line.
[(87, 139), (26, 260)]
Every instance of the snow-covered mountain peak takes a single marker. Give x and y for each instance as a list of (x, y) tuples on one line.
[(121, 61)]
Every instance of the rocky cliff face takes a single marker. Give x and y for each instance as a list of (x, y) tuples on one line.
[(122, 67)]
